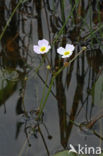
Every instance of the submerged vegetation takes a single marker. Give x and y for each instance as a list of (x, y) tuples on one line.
[(58, 98)]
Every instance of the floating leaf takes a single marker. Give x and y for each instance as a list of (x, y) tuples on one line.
[(65, 153), (7, 91)]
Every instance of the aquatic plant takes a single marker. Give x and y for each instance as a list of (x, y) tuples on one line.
[(67, 51), (42, 47)]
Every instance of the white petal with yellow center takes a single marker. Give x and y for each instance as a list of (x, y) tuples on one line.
[(43, 49), (66, 53)]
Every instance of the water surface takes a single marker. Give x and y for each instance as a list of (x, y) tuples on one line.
[(74, 109)]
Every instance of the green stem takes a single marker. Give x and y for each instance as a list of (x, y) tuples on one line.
[(60, 32), (10, 18), (62, 68), (43, 92), (53, 78), (63, 27), (49, 90), (93, 32)]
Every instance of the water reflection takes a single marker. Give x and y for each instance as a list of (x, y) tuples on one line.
[(70, 105)]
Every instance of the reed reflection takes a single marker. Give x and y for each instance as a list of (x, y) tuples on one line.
[(15, 56)]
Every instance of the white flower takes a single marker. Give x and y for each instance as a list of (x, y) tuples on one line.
[(67, 51), (42, 47)]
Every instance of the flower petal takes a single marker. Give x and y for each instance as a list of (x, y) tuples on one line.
[(69, 47), (60, 50), (48, 48), (36, 49), (65, 56), (43, 42)]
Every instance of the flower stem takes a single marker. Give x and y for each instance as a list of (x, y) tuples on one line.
[(10, 18), (53, 78)]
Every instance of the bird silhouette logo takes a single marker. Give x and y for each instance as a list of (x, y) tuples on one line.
[(72, 149)]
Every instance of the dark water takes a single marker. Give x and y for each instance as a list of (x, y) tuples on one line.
[(73, 112)]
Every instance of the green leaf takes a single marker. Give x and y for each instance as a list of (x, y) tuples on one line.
[(65, 153), (7, 91), (7, 87)]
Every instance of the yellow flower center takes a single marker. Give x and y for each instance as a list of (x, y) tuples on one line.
[(66, 52), (42, 49)]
